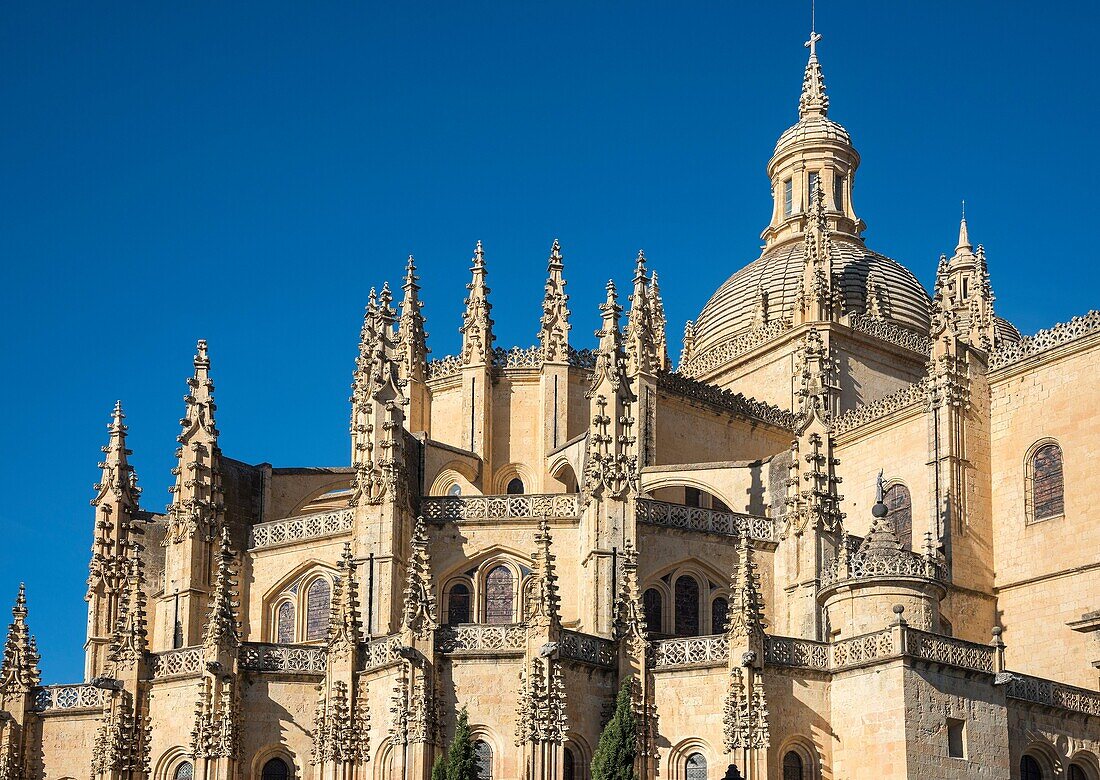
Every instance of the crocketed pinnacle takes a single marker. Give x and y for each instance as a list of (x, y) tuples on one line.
[(412, 339), (813, 101), (222, 625), (688, 351), (197, 494), (659, 324), (117, 484), (19, 668), (477, 325), (610, 362), (746, 619), (639, 335), (554, 325), (130, 639), (345, 623), (545, 601), (419, 607), (116, 502)]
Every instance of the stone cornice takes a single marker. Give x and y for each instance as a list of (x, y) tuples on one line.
[(1045, 343)]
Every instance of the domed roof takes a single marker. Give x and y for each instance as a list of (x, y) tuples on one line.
[(734, 308), (812, 129)]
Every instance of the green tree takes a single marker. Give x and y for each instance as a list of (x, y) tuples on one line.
[(459, 762), (614, 758)]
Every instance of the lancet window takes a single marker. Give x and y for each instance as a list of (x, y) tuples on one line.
[(687, 606), (275, 769), (652, 604), (900, 503), (499, 595), (1046, 482)]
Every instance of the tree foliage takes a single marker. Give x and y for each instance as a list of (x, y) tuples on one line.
[(618, 747), (459, 762)]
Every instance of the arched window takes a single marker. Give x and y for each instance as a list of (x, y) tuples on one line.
[(719, 612), (458, 604), (568, 767), (275, 769), (318, 605), (696, 767), (1077, 773), (454, 490), (483, 760), (900, 504), (499, 596), (1029, 769), (687, 606), (651, 604), (792, 766), (1047, 488), (515, 487), (184, 771), (284, 624)]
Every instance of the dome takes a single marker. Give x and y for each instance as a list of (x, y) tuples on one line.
[(812, 130), (735, 307), (1006, 332)]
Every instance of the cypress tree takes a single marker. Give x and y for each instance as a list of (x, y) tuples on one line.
[(614, 757), (439, 768), (459, 763)]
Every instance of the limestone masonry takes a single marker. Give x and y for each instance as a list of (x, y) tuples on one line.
[(848, 537)]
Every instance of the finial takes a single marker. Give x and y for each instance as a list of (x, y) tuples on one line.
[(612, 296), (879, 510), (202, 358), (20, 601), (812, 44), (964, 236), (639, 265), (410, 270), (555, 254), (813, 101), (479, 256)]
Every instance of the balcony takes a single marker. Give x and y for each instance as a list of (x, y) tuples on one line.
[(276, 533), (711, 521), (532, 506)]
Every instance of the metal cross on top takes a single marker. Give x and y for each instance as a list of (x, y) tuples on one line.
[(812, 43)]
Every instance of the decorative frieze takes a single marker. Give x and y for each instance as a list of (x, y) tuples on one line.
[(181, 662), (289, 659), (739, 404), (908, 397), (691, 518), (275, 533), (588, 649), (887, 331), (378, 652), (863, 649), (482, 638), (801, 653), (1050, 694), (691, 651), (54, 698), (506, 507), (949, 650), (728, 351), (1045, 340)]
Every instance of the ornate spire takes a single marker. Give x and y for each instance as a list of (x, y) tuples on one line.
[(964, 237), (610, 362), (419, 610), (813, 101), (345, 628), (222, 626), (630, 622), (19, 668), (659, 323), (130, 639), (639, 335), (554, 325), (746, 618), (197, 502), (477, 326), (117, 491), (819, 297), (412, 339), (688, 351), (545, 601)]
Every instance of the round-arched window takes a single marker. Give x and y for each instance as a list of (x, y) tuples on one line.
[(275, 769), (696, 768), (1076, 772), (1047, 489), (184, 771), (1029, 769), (792, 766), (719, 613), (568, 766), (515, 487), (483, 760), (284, 624), (651, 605), (318, 605), (499, 596), (454, 490), (458, 604), (898, 501)]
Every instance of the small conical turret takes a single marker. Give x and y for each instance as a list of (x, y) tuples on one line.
[(197, 503), (222, 625), (477, 325), (964, 237), (554, 325), (659, 324), (19, 669), (639, 336)]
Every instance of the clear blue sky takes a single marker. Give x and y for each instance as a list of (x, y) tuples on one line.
[(244, 172)]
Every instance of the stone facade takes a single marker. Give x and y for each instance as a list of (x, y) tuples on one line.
[(850, 537)]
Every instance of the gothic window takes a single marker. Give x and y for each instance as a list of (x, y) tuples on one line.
[(788, 197), (454, 490), (275, 769), (719, 610), (483, 760), (792, 766), (651, 605), (1029, 769), (568, 768), (284, 623), (687, 606), (185, 771), (515, 487), (1047, 486), (318, 606), (458, 604), (499, 596), (693, 496), (900, 504), (696, 767), (1076, 773)]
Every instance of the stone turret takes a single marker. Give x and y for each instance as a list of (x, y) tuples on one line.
[(553, 339), (477, 365), (116, 527), (19, 675)]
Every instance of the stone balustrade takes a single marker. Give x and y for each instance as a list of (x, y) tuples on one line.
[(289, 659), (379, 651), (494, 508), (899, 563), (276, 533), (692, 518), (803, 653), (1051, 694), (182, 662), (68, 698), (482, 638), (691, 651), (863, 649), (588, 649), (950, 651)]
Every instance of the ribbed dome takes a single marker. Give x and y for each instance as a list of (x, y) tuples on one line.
[(813, 129), (734, 307)]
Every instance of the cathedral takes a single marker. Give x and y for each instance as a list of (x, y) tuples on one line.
[(846, 537)]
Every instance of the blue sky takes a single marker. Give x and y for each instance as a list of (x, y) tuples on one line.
[(244, 172)]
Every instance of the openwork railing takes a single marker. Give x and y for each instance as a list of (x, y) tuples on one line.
[(183, 662), (516, 357), (587, 649), (863, 649), (888, 331), (1052, 694), (894, 563), (788, 651), (1051, 338), (379, 651), (508, 507), (294, 529), (693, 518), (691, 651), (482, 638), (51, 698), (950, 651), (299, 659)]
